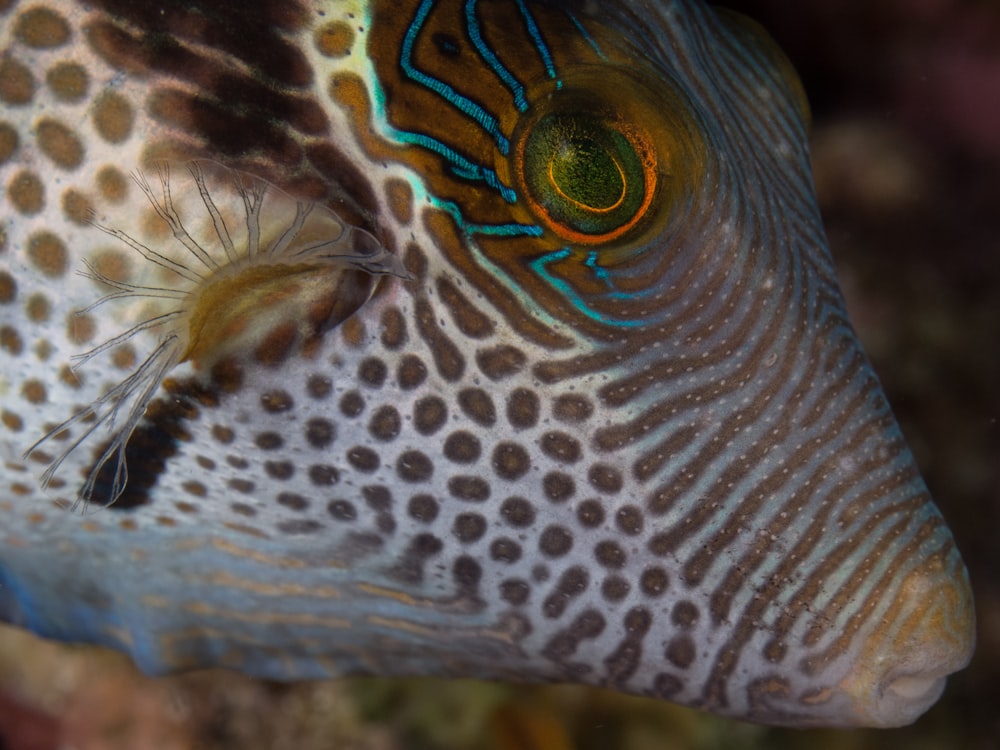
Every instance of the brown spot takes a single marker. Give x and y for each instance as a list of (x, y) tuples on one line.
[(16, 84), (48, 253), (10, 340), (113, 264), (334, 39), (195, 488), (124, 357), (80, 328), (25, 191), (8, 142), (76, 206), (59, 143), (353, 332), (113, 117), (42, 27), (69, 378), (393, 328), (38, 308), (400, 196), (11, 421), (43, 349), (34, 392), (112, 184), (8, 288), (68, 81)]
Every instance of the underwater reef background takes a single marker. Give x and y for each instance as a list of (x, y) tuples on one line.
[(906, 148)]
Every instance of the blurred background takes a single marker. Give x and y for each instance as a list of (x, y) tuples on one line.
[(906, 142)]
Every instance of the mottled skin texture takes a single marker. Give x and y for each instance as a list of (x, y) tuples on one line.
[(642, 451)]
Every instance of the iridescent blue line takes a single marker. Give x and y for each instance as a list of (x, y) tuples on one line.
[(487, 121), (536, 37), (539, 266), (476, 35)]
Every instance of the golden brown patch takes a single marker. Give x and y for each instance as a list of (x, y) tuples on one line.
[(11, 421), (8, 142), (353, 331), (334, 39), (16, 83), (10, 340), (42, 28), (124, 357), (59, 143), (76, 206), (112, 184), (34, 392), (8, 288), (68, 81), (113, 264), (26, 193), (113, 117), (68, 377), (127, 524), (400, 196), (48, 253), (43, 349), (80, 328), (38, 308)]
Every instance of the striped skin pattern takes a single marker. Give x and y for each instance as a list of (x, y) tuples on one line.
[(610, 425)]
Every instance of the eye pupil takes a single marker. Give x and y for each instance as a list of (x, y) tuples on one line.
[(584, 172)]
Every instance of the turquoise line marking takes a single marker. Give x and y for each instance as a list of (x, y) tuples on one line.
[(586, 35), (536, 37), (539, 266), (476, 35), (485, 120)]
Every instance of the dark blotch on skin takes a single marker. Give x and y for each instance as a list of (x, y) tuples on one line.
[(462, 447), (411, 373), (323, 476), (515, 591), (570, 585), (282, 470), (615, 588), (610, 555), (363, 459), (385, 423), (522, 408), (319, 432), (510, 461), (505, 550), (561, 447), (477, 406), (423, 508), (414, 466), (342, 510), (429, 414), (372, 372), (590, 514), (469, 527), (558, 486), (654, 581), (629, 520), (555, 541), (352, 404), (518, 512), (685, 614), (469, 488)]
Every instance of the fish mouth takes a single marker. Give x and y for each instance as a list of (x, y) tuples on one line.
[(906, 660)]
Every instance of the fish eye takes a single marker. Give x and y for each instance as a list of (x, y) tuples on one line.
[(596, 161), (591, 178)]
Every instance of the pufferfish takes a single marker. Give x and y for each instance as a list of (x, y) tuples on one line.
[(492, 338)]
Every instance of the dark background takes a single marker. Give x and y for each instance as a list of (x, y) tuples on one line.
[(906, 140)]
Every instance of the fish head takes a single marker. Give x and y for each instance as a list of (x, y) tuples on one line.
[(476, 339)]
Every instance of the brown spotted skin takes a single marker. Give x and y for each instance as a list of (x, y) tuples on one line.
[(643, 452)]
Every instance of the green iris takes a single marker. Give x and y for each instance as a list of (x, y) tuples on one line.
[(585, 173)]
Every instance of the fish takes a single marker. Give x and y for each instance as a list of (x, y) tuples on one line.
[(493, 339)]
